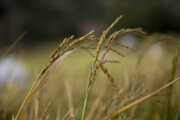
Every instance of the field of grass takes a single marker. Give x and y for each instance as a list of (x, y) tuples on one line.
[(99, 80)]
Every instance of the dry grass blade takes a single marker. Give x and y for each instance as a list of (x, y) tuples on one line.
[(45, 77), (45, 111), (69, 98), (67, 115), (47, 117), (58, 113), (93, 110), (118, 112), (43, 80), (36, 108)]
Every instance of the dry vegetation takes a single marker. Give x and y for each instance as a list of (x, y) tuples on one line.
[(114, 86)]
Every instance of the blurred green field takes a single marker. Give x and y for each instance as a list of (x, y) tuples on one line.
[(137, 74)]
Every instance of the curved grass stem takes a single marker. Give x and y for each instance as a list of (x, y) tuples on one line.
[(85, 104), (123, 109), (27, 97)]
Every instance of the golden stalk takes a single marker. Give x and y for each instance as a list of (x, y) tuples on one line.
[(123, 109)]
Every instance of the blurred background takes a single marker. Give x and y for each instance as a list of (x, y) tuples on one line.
[(52, 20), (48, 22)]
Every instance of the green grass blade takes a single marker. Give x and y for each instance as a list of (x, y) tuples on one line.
[(13, 44), (170, 89)]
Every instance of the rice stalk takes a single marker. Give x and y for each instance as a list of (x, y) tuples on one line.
[(65, 41), (105, 70), (95, 66), (68, 46), (54, 56)]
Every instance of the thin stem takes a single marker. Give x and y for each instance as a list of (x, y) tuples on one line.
[(26, 98), (172, 76), (13, 45), (85, 104)]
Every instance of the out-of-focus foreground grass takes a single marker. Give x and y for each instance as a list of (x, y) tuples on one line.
[(140, 72)]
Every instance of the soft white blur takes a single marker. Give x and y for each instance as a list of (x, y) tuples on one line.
[(12, 71)]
